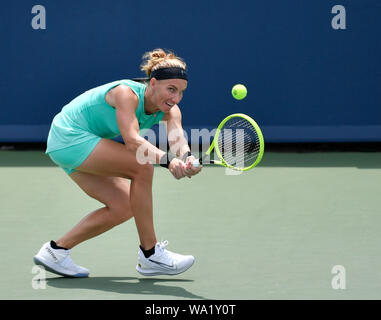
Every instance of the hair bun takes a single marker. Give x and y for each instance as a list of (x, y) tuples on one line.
[(158, 53), (157, 58)]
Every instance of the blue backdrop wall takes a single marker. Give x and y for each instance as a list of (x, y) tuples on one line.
[(306, 80)]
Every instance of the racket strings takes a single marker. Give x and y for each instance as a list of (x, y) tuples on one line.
[(239, 143)]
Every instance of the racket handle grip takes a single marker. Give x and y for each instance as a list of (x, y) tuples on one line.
[(196, 163)]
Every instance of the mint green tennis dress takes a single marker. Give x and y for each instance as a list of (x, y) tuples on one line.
[(82, 123)]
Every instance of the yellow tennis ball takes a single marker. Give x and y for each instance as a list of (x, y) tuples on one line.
[(239, 91)]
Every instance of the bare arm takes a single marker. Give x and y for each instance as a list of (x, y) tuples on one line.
[(177, 142), (176, 139), (124, 100)]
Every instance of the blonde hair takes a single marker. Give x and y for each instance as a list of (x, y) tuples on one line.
[(159, 58)]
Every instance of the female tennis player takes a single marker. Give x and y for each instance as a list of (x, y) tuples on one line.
[(80, 142)]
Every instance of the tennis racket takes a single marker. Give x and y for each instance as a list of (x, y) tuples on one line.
[(238, 144)]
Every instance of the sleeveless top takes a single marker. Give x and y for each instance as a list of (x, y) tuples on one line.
[(89, 115)]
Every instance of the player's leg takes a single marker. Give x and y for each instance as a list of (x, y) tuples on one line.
[(110, 158), (114, 193)]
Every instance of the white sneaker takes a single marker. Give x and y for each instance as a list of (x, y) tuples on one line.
[(59, 262), (163, 262)]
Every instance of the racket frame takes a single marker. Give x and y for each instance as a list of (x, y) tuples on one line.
[(214, 144)]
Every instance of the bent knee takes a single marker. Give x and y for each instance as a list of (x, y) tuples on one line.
[(120, 213), (144, 172)]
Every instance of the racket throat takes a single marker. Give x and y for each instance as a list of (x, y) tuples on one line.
[(202, 160), (209, 161)]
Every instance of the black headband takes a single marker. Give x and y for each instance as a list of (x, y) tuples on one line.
[(169, 73)]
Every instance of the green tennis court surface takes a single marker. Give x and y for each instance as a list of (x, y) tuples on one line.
[(275, 232)]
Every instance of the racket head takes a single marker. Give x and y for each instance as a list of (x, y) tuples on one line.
[(239, 142)]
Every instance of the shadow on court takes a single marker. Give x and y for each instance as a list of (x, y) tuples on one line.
[(125, 285)]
